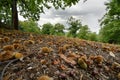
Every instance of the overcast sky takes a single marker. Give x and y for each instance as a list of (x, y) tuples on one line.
[(88, 12)]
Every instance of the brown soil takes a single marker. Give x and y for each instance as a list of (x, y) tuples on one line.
[(59, 58)]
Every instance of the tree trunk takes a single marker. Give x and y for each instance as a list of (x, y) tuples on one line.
[(14, 15)]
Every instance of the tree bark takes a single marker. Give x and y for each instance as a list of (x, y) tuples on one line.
[(14, 15)]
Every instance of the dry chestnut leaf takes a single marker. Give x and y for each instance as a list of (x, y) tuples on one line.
[(84, 57), (17, 46), (99, 59), (118, 75), (71, 54), (46, 50), (6, 39), (7, 77), (1, 40), (43, 61), (115, 65), (31, 37), (6, 55), (111, 54), (66, 46), (16, 41), (68, 60), (8, 48), (55, 62), (63, 67), (44, 77)]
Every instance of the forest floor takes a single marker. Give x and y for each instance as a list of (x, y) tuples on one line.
[(28, 56)]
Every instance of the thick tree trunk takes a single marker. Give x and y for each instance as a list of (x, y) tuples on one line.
[(14, 15)]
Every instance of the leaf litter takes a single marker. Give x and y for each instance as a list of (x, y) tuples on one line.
[(29, 56)]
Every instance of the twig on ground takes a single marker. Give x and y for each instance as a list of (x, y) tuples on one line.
[(2, 74)]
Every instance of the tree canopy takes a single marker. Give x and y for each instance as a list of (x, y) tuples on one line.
[(47, 28), (59, 29), (83, 32), (28, 9), (29, 26), (110, 30), (74, 26)]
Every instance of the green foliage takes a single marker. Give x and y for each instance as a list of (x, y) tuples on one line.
[(93, 36), (5, 11), (83, 32), (30, 9), (113, 8), (47, 28), (29, 26), (76, 29), (74, 26), (59, 29), (110, 30)]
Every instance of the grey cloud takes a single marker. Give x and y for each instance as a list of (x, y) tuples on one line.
[(90, 7), (89, 12)]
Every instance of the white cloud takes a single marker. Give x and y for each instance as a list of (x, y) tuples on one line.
[(88, 12), (51, 20)]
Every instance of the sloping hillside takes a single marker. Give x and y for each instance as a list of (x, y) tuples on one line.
[(27, 56)]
